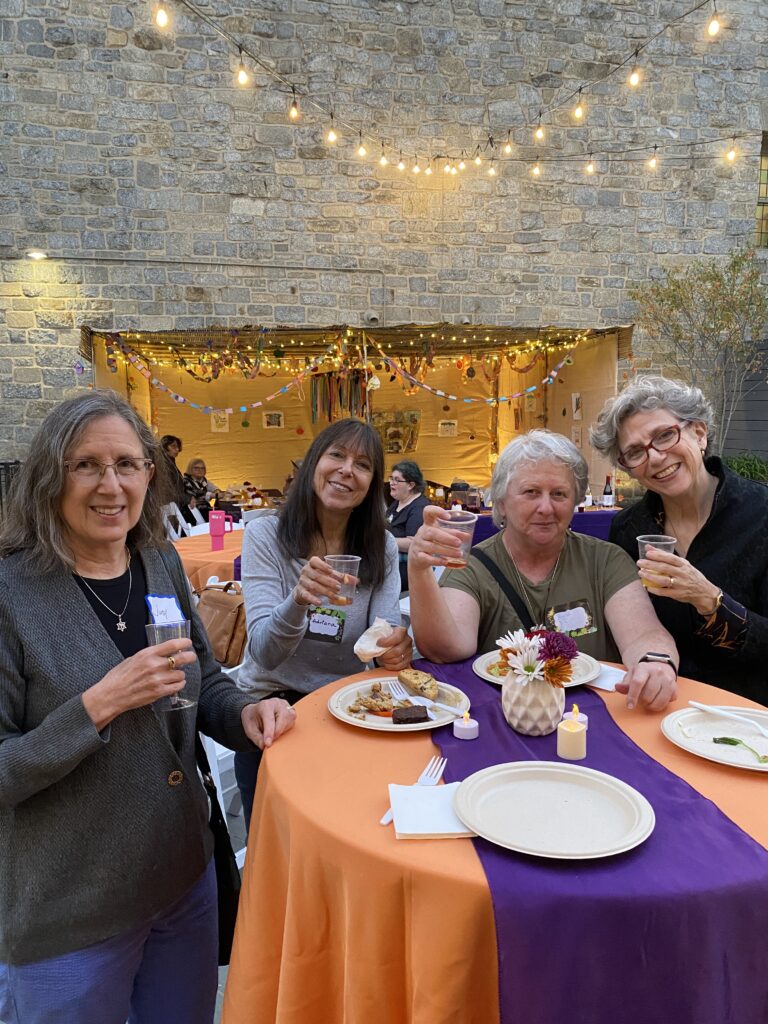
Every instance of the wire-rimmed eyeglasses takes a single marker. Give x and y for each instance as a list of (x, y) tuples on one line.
[(93, 469), (637, 454)]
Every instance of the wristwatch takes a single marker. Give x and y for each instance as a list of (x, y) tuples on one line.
[(663, 659)]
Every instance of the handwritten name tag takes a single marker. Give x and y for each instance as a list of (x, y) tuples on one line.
[(164, 608), (326, 625)]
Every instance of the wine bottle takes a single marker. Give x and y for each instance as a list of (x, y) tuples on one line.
[(608, 501), (588, 502)]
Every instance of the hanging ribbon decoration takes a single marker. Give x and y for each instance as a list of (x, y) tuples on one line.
[(401, 372), (334, 394), (136, 361)]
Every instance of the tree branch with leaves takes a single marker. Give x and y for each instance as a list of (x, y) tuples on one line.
[(708, 322)]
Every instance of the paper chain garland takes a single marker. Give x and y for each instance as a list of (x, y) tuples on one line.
[(135, 360), (415, 382)]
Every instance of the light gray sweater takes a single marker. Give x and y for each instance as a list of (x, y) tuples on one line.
[(279, 655), (93, 837)]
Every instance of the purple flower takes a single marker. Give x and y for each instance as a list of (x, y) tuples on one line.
[(558, 645)]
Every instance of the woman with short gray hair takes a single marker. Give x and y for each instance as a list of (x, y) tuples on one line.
[(536, 571), (711, 592), (107, 883)]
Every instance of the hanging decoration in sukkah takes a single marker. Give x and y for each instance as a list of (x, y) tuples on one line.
[(398, 430), (412, 382), (338, 394), (115, 341)]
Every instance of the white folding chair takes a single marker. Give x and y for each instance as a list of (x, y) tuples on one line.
[(181, 527), (198, 528)]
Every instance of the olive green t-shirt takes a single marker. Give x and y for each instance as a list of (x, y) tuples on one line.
[(589, 573)]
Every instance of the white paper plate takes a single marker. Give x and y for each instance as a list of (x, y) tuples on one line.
[(701, 727), (550, 809), (340, 701), (585, 669)]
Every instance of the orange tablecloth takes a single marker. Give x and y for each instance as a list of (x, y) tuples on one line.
[(340, 921), (200, 562)]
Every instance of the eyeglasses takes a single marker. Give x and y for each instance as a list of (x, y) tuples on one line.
[(86, 470), (637, 454), (397, 480)]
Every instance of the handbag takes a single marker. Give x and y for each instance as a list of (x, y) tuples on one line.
[(221, 608), (227, 873)]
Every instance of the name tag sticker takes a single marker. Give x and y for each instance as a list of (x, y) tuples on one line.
[(164, 608), (574, 618), (326, 625)]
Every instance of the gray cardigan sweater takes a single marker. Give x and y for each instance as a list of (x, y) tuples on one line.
[(95, 837)]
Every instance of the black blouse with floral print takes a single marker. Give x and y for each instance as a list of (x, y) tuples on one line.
[(730, 647)]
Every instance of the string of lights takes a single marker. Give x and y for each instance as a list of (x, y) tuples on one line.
[(492, 153)]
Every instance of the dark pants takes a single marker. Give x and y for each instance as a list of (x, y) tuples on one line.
[(247, 764)]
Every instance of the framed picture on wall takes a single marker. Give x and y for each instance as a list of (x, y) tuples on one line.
[(273, 420), (576, 436), (219, 422), (447, 428), (576, 405)]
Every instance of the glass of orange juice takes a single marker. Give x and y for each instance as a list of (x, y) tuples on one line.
[(659, 541), (464, 524), (349, 567)]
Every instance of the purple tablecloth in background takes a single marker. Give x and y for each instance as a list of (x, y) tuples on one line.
[(672, 931), (594, 524)]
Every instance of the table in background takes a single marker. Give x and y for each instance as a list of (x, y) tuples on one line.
[(595, 523), (200, 562), (340, 921)]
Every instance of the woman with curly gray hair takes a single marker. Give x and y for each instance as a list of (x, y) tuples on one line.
[(711, 592), (536, 571)]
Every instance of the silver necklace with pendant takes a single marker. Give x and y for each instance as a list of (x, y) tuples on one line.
[(524, 588), (121, 625)]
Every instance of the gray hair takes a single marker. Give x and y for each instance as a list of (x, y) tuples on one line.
[(33, 522), (537, 446), (645, 394)]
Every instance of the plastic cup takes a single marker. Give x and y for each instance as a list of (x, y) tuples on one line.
[(158, 633), (464, 524), (655, 540), (349, 565)]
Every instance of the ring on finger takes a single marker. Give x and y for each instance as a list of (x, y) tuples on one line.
[(171, 662), (671, 581)]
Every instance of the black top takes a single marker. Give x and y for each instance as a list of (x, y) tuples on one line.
[(114, 593), (728, 649), (406, 522)]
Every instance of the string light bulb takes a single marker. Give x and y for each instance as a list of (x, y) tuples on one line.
[(653, 162), (242, 74), (428, 169), (401, 162), (634, 75), (578, 110), (492, 169), (462, 165), (416, 167), (478, 157), (383, 158), (453, 170), (294, 112), (361, 150), (730, 156), (331, 137), (536, 170), (714, 22), (508, 144), (590, 168), (447, 167), (539, 133), (162, 19)]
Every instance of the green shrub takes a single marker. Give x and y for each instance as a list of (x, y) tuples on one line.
[(749, 465)]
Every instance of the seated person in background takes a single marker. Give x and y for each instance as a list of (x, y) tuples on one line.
[(712, 592), (562, 578), (334, 507), (198, 489), (406, 510), (171, 447)]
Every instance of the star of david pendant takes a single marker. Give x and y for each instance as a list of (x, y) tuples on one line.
[(120, 624)]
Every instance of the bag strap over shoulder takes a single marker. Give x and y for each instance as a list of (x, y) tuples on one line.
[(507, 589)]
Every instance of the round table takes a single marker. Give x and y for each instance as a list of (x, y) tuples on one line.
[(200, 562), (340, 921)]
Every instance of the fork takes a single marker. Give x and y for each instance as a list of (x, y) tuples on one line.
[(729, 714), (399, 692), (429, 777)]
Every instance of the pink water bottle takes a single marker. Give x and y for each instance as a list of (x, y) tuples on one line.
[(220, 523)]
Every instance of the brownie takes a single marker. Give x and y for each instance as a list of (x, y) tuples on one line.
[(408, 716)]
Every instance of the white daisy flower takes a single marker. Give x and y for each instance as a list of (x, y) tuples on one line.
[(511, 640), (525, 662)]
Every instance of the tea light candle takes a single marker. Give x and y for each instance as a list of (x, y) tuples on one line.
[(572, 740), (577, 716), (466, 728)]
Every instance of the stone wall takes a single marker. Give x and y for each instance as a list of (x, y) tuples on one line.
[(168, 197)]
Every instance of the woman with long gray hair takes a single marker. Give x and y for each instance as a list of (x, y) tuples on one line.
[(107, 887), (566, 581), (711, 592)]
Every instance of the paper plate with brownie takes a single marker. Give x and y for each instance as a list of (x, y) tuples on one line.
[(495, 665), (368, 704)]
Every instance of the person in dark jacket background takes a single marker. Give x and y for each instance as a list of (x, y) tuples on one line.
[(406, 512)]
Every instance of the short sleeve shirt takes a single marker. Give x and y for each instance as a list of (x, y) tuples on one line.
[(589, 573)]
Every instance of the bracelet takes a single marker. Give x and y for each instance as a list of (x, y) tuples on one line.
[(718, 602)]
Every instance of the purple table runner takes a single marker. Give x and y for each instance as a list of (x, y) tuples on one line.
[(672, 932)]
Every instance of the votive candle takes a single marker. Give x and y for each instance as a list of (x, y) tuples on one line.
[(571, 740), (466, 728)]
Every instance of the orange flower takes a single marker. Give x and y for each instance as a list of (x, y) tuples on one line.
[(558, 671)]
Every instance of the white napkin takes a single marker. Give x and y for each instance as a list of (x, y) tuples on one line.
[(608, 677), (426, 812), (366, 647)]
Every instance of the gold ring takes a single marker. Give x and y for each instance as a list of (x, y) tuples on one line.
[(671, 581), (171, 662)]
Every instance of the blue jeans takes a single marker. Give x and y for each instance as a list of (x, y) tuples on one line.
[(162, 972)]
